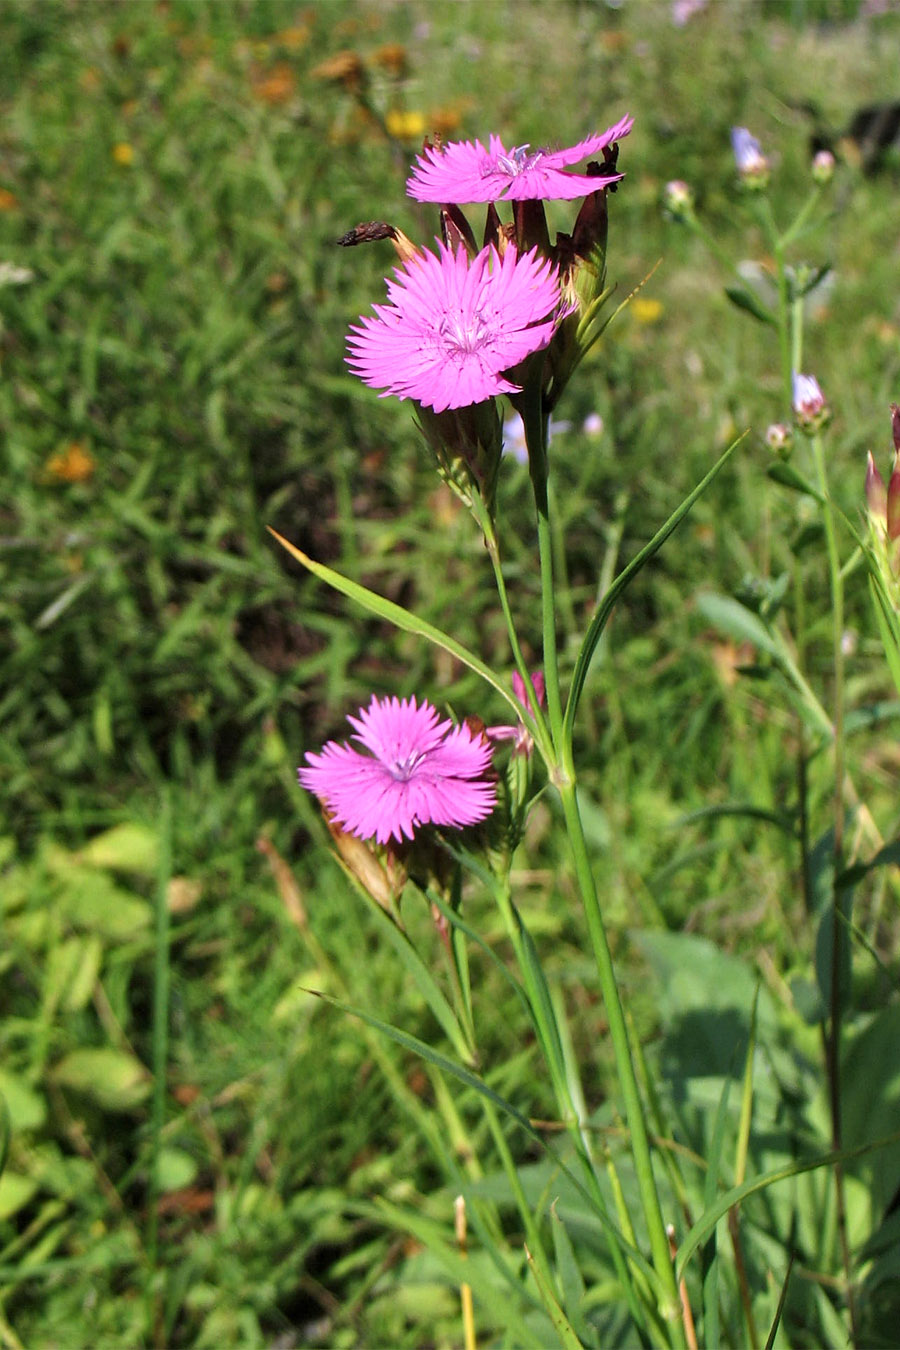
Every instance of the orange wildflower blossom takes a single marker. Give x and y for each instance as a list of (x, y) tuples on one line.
[(72, 464)]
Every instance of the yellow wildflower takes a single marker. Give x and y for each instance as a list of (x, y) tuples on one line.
[(646, 311), (405, 125)]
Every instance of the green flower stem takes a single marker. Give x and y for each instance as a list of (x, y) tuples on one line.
[(784, 326), (837, 603), (634, 1113), (535, 420), (694, 223), (778, 244), (537, 723), (563, 776), (838, 932), (802, 217), (551, 1041), (567, 616)]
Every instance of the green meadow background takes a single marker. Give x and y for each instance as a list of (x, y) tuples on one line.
[(173, 178)]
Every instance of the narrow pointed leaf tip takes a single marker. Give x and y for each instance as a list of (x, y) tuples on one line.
[(418, 771), (452, 327), (466, 171)]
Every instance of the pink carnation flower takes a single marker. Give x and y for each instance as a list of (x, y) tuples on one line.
[(419, 771), (453, 326), (464, 171)]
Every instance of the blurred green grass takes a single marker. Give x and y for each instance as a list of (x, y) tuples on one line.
[(175, 176)]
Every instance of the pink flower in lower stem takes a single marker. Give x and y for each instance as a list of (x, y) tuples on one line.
[(419, 771), (454, 325), (523, 742), (464, 171)]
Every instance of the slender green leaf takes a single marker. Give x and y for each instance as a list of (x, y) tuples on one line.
[(745, 300), (789, 477), (561, 1324), (607, 604), (708, 1220), (887, 629), (570, 1276), (424, 982), (400, 618), (471, 1080), (782, 819), (782, 1298), (5, 1132), (710, 1249), (459, 925), (458, 1268), (738, 622)]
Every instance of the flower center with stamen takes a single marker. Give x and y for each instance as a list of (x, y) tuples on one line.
[(401, 770), (464, 334), (517, 161)]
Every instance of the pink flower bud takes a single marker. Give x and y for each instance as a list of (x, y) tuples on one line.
[(810, 409), (823, 167), (893, 500), (876, 492), (780, 439), (752, 164)]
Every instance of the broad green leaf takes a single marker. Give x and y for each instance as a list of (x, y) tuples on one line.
[(15, 1193), (175, 1169), (740, 623), (84, 973), (128, 847), (92, 900), (27, 1108), (889, 856), (112, 1078), (870, 1097), (693, 973)]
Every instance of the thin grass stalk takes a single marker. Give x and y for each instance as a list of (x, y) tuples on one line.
[(160, 1051), (465, 1290), (532, 1232)]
